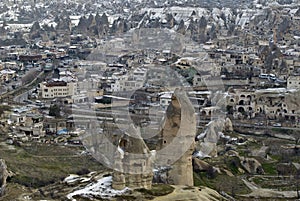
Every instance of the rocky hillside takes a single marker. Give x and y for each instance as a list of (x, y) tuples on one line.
[(98, 186)]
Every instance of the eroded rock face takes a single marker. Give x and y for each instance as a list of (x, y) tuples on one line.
[(228, 125), (293, 101), (298, 13), (177, 140), (251, 165), (133, 162), (211, 135), (3, 176), (200, 165)]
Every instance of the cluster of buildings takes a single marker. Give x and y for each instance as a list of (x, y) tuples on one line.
[(264, 104), (98, 74), (252, 55)]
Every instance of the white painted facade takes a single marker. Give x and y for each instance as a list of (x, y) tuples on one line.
[(58, 89)]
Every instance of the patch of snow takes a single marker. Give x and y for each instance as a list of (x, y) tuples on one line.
[(161, 169), (71, 178), (48, 22), (121, 151), (234, 139), (221, 135), (101, 188), (200, 155), (202, 135)]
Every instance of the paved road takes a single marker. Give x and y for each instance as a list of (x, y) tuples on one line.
[(263, 127), (20, 98), (23, 89)]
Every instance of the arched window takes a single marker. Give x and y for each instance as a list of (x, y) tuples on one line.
[(241, 102), (241, 110)]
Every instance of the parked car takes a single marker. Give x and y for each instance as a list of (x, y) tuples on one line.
[(277, 125), (259, 123)]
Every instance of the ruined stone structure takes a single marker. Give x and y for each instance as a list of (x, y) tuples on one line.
[(133, 162), (176, 143)]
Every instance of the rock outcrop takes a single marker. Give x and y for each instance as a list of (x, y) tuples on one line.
[(192, 193), (251, 165), (177, 140), (298, 13), (208, 140), (96, 187), (228, 127), (133, 162), (200, 165), (3, 176), (292, 101)]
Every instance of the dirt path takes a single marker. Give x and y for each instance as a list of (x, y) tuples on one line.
[(258, 192)]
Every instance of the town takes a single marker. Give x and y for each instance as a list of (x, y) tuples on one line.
[(89, 69)]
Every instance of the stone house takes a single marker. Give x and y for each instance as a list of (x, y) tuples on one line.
[(293, 82), (241, 101)]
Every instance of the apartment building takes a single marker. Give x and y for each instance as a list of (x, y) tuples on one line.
[(58, 89)]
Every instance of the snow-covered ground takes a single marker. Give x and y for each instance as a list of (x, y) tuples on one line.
[(102, 188)]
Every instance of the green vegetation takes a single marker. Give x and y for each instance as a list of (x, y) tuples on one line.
[(269, 168), (258, 180), (157, 190), (282, 130), (126, 197), (230, 185), (14, 191), (188, 73), (281, 183), (233, 163), (41, 165), (4, 108), (54, 110)]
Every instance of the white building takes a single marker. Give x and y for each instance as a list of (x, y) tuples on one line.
[(89, 84), (7, 75), (58, 89), (131, 81)]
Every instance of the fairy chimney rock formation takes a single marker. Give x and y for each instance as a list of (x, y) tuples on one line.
[(177, 140), (133, 162), (3, 176)]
